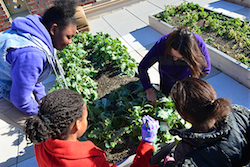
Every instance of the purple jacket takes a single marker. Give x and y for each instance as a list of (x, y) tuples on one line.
[(169, 70), (27, 64)]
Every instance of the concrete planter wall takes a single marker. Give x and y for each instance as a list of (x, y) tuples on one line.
[(230, 66)]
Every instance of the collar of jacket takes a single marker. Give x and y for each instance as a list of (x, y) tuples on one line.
[(220, 132)]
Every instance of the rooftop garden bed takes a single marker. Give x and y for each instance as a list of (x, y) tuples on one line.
[(228, 39), (101, 70)]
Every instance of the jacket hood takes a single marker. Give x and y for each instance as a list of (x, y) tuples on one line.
[(70, 149), (32, 24)]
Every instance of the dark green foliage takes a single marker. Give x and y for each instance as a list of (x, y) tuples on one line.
[(81, 59), (120, 113)]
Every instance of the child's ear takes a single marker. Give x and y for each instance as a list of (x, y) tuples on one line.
[(78, 124), (53, 29)]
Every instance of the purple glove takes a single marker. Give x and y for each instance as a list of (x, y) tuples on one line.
[(149, 129)]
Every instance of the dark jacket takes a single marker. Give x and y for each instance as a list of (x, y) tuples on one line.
[(226, 146)]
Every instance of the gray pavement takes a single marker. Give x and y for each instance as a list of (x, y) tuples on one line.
[(130, 24)]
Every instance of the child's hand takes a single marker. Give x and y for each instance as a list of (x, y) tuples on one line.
[(149, 129)]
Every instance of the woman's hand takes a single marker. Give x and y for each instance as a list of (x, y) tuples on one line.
[(151, 96), (149, 129)]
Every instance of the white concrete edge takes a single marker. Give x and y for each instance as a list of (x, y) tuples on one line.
[(127, 162), (230, 66), (227, 14)]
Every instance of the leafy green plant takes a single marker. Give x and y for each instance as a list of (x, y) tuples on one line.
[(101, 48), (243, 59), (82, 59), (120, 115), (78, 72), (209, 40)]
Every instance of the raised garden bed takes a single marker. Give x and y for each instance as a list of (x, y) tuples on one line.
[(101, 70), (227, 64)]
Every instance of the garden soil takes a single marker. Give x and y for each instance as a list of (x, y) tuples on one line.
[(224, 44), (109, 80)]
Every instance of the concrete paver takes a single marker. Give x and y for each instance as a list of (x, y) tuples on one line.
[(229, 88), (162, 3), (141, 37), (101, 25), (245, 12), (148, 9), (224, 7), (9, 145), (25, 150), (31, 162), (124, 22)]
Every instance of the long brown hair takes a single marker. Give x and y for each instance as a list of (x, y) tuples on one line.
[(185, 42), (197, 100)]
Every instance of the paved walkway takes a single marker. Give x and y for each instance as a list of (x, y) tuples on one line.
[(130, 24)]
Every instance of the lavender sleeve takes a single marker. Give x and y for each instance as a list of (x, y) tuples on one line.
[(150, 59), (39, 91), (26, 66)]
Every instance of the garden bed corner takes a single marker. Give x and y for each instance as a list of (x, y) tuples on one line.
[(228, 65)]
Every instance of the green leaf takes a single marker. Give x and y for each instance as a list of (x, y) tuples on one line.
[(81, 52), (164, 114), (107, 144), (113, 144)]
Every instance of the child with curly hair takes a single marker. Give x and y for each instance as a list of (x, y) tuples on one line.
[(28, 57), (62, 118)]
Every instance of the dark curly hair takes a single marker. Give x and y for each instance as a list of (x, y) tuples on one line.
[(62, 13), (57, 111)]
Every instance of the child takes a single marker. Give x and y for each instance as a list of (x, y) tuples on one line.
[(220, 132), (62, 118), (28, 57)]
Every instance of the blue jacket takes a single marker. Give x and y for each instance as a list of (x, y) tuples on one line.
[(23, 65)]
